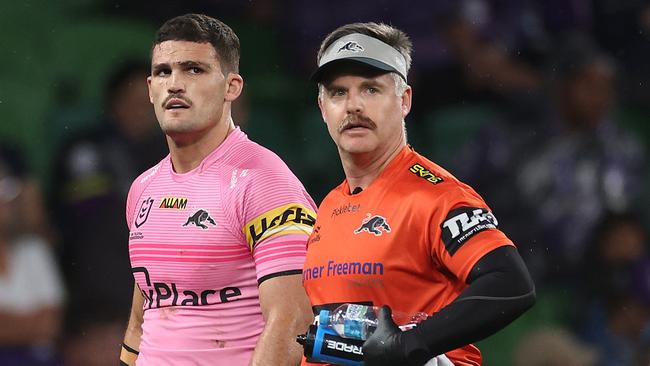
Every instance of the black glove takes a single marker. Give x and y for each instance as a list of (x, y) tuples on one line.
[(388, 345)]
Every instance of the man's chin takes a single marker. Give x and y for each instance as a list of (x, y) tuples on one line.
[(357, 149), (175, 126)]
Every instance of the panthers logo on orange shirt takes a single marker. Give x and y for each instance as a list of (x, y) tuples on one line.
[(374, 225)]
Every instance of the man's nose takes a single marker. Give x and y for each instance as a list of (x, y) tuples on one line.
[(354, 103), (176, 83)]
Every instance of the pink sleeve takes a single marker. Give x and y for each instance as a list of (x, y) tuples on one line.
[(276, 217)]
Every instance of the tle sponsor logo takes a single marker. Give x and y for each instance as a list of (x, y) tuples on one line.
[(463, 223)]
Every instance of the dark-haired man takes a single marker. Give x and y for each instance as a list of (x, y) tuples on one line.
[(218, 228)]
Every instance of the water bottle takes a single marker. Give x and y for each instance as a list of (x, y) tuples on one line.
[(360, 321)]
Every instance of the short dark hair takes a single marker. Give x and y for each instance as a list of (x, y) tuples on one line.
[(383, 32), (201, 28)]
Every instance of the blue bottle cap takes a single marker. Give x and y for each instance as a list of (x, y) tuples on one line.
[(324, 317)]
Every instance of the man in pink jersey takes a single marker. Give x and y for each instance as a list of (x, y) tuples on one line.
[(218, 228)]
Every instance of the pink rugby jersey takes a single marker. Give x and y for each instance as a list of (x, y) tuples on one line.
[(200, 243)]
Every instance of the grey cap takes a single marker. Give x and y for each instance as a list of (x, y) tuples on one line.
[(364, 49)]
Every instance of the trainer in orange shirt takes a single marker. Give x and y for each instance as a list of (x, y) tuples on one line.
[(400, 230)]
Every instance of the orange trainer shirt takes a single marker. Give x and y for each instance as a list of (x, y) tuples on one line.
[(409, 240)]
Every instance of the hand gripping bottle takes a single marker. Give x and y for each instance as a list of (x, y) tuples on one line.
[(360, 321)]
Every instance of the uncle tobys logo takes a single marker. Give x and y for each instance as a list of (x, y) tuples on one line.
[(287, 219)]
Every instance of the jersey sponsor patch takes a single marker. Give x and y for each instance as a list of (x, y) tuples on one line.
[(344, 209), (463, 223), (288, 219), (161, 294), (425, 173), (179, 203)]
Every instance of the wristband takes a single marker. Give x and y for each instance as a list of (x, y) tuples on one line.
[(128, 356)]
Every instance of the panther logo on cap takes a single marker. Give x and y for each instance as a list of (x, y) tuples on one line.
[(351, 46)]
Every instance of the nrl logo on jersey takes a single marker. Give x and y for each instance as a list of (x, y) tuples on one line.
[(374, 224), (143, 212)]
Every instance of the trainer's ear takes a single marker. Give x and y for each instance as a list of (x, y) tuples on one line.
[(235, 85), (407, 98), (321, 93)]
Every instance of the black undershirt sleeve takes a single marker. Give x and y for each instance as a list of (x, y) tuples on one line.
[(499, 290)]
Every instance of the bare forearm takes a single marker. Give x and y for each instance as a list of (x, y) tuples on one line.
[(133, 334), (277, 345), (287, 313)]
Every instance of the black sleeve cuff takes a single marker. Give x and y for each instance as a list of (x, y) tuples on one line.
[(278, 274), (415, 351)]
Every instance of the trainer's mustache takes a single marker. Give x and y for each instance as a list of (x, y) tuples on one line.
[(356, 120)]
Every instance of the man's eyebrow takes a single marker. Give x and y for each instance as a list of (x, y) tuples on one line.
[(186, 64), (191, 63), (331, 86), (371, 83), (160, 66)]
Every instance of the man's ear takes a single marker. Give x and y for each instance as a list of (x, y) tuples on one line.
[(149, 87), (407, 98), (320, 106), (235, 85)]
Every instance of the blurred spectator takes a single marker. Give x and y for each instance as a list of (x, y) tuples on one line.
[(491, 52), (93, 174), (554, 347), (30, 206), (616, 286), (551, 176), (31, 287), (623, 28), (582, 164)]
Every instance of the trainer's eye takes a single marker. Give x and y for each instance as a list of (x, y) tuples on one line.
[(337, 93)]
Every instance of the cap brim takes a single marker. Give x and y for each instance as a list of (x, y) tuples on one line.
[(317, 75)]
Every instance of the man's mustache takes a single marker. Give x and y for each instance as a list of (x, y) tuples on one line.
[(176, 96), (356, 120)]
